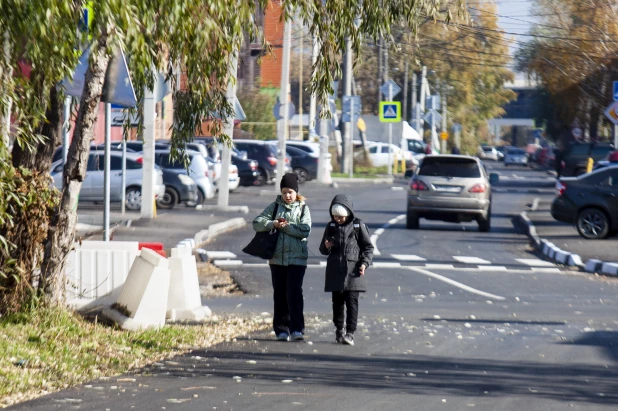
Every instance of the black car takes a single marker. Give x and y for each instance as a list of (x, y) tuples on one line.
[(247, 171), (265, 154), (575, 157), (304, 165), (590, 202), (179, 188)]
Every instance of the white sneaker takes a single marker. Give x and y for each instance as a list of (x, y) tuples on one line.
[(348, 339), (283, 337), (297, 336)]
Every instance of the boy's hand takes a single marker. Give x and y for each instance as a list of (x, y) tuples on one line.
[(362, 269), (327, 244)]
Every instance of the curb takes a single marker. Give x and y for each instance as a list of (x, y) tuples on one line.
[(340, 180), (229, 209), (211, 232), (555, 254)]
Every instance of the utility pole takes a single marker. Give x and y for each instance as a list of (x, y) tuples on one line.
[(300, 89), (443, 121), (65, 129), (106, 172), (380, 69), (148, 179), (404, 110), (282, 125), (313, 103), (347, 92), (421, 102), (226, 154), (414, 104)]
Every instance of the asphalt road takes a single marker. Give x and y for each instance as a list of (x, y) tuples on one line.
[(454, 319)]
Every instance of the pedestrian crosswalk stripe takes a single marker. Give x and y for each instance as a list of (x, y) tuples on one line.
[(492, 268), (408, 257), (228, 263), (471, 260), (382, 264), (436, 266), (534, 262)]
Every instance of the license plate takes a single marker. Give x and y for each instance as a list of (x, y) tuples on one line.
[(448, 189)]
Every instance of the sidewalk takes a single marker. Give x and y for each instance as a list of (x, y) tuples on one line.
[(566, 237)]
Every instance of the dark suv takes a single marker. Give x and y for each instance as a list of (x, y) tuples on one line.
[(265, 154), (575, 157)]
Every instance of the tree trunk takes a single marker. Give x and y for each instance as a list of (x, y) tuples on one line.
[(62, 230), (40, 158)]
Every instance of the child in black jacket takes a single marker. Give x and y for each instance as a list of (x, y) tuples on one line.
[(347, 243)]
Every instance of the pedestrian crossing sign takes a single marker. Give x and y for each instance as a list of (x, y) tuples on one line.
[(390, 111)]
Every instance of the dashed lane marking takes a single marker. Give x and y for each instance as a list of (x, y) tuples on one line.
[(533, 262), (408, 257), (471, 260)]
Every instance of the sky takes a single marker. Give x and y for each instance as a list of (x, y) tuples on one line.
[(516, 16)]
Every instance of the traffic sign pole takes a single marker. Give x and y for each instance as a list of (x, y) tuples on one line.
[(390, 134)]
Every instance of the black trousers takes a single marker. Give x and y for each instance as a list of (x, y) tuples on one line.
[(288, 297), (349, 300)]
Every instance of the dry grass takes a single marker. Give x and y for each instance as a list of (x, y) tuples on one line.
[(52, 349), (215, 282)]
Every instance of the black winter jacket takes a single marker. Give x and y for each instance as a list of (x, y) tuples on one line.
[(352, 248)]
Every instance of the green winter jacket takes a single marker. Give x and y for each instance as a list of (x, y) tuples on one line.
[(292, 241)]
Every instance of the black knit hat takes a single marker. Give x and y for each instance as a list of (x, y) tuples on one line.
[(290, 180)]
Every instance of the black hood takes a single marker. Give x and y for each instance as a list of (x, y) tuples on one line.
[(344, 200)]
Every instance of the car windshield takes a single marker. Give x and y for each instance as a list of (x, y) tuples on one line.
[(450, 167), (517, 151), (488, 149)]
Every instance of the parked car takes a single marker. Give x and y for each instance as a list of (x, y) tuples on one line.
[(303, 164), (515, 157), (265, 153), (502, 152), (450, 188), (247, 171), (575, 157), (198, 171), (93, 188), (487, 153), (379, 154), (211, 146), (589, 201), (179, 188)]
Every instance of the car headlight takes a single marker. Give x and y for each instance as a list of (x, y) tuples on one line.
[(186, 180)]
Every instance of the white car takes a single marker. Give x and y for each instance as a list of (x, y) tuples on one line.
[(488, 153), (379, 154), (198, 171)]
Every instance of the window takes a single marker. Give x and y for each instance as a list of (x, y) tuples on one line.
[(133, 165), (601, 152), (384, 150), (450, 167), (373, 149), (164, 161), (579, 149), (415, 146), (517, 151)]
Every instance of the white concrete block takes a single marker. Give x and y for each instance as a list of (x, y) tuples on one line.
[(184, 299), (562, 256), (145, 292), (575, 260), (593, 266), (610, 269)]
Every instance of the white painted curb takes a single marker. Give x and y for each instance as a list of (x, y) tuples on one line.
[(610, 269)]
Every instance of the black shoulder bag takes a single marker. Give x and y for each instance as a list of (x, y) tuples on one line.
[(264, 243)]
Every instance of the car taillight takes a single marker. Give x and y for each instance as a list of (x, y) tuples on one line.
[(478, 188), (272, 161), (140, 160), (562, 164), (418, 185), (253, 166), (560, 188), (287, 160)]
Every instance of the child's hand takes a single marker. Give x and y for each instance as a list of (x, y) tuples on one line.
[(327, 244), (362, 269)]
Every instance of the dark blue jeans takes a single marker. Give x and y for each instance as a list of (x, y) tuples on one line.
[(341, 301), (288, 297)]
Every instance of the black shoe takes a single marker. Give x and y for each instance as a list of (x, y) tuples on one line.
[(348, 339), (339, 336)]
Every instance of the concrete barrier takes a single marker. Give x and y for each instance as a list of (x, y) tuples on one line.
[(610, 269), (142, 302), (184, 299)]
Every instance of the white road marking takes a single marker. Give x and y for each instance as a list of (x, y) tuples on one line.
[(534, 262), (470, 260), (492, 268), (440, 266), (220, 255), (322, 263), (408, 257), (456, 284), (547, 270), (381, 264), (397, 188), (380, 231), (374, 241), (228, 263), (393, 221)]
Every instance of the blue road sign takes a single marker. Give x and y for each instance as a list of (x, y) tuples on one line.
[(352, 105), (390, 112), (615, 90)]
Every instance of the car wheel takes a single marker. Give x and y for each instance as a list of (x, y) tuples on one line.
[(262, 177), (592, 224), (412, 221), (485, 222), (134, 198), (168, 200), (302, 174), (200, 199)]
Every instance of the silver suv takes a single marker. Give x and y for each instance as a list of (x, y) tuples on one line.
[(450, 188)]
